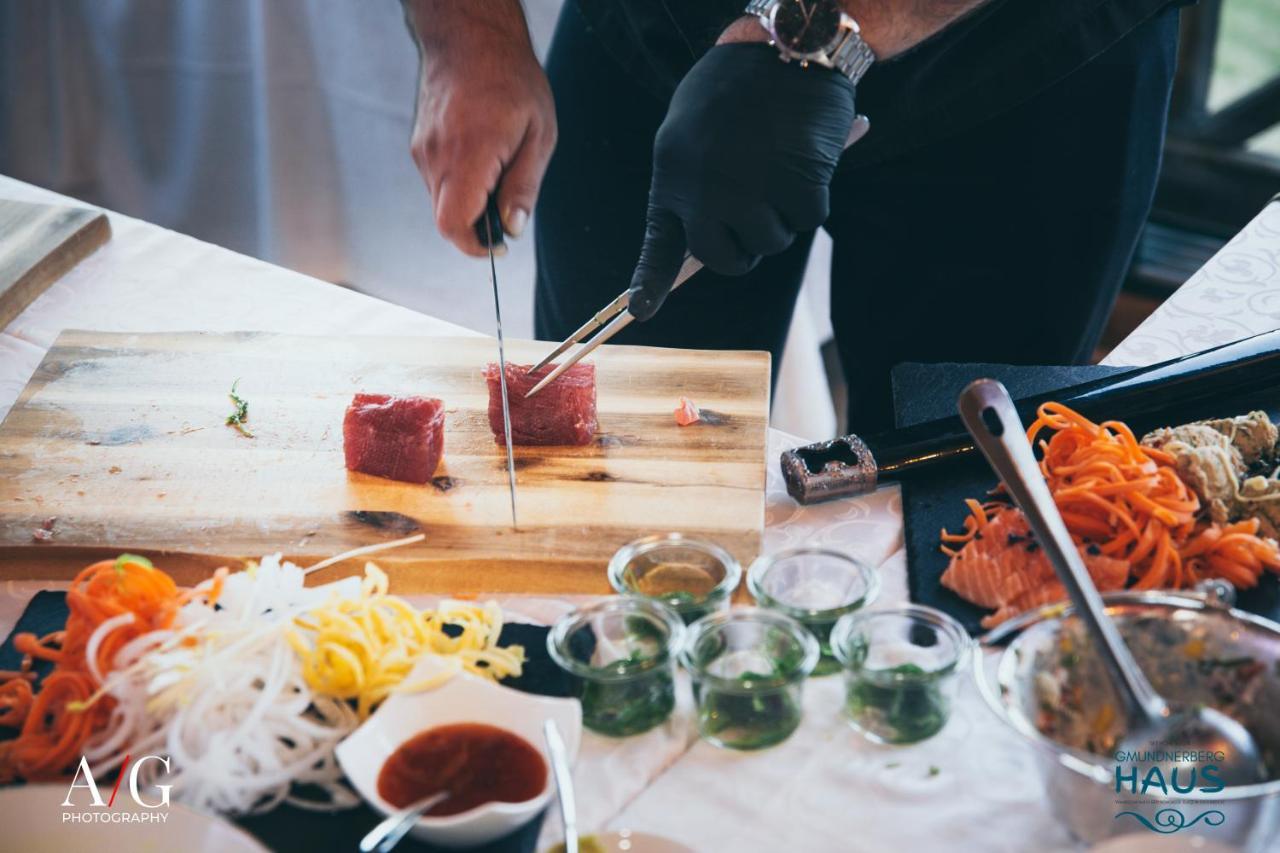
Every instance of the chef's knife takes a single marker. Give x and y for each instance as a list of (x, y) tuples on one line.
[(489, 232)]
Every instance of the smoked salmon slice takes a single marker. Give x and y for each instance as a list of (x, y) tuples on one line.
[(1005, 569)]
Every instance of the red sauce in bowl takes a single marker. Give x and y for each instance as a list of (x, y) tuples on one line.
[(474, 762)]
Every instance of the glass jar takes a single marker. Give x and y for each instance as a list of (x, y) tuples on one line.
[(815, 587), (692, 576), (621, 653), (901, 668), (748, 667)]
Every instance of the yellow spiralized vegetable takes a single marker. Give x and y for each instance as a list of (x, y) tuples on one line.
[(363, 648)]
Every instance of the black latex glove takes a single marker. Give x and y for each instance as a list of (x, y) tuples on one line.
[(741, 164)]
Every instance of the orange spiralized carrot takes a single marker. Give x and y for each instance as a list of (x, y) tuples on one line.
[(56, 721), (1129, 501), (980, 515), (16, 698)]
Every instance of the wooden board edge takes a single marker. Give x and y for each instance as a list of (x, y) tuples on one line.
[(411, 576), (76, 337), (548, 577)]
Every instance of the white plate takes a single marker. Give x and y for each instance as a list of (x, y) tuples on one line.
[(35, 821)]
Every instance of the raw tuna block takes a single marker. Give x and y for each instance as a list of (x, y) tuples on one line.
[(401, 438), (562, 413)]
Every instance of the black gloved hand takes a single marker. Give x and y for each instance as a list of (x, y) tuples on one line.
[(741, 164)]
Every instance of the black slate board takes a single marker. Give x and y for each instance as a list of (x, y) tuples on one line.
[(932, 500), (288, 828)]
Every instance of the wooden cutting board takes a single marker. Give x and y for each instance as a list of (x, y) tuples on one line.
[(121, 438), (39, 243)]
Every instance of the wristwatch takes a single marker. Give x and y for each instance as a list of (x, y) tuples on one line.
[(816, 31)]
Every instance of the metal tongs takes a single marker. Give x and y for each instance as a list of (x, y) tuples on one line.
[(615, 313), (617, 318)]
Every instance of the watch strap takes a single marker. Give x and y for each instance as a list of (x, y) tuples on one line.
[(853, 56)]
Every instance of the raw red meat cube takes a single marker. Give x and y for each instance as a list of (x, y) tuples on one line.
[(397, 437), (562, 413), (687, 412)]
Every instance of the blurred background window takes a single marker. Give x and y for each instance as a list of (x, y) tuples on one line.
[(1247, 58), (1222, 155)]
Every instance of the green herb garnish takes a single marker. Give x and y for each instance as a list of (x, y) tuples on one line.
[(125, 559), (636, 692), (899, 705), (623, 708), (241, 414), (934, 770), (749, 720)]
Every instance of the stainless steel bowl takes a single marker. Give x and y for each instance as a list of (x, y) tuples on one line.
[(1080, 785)]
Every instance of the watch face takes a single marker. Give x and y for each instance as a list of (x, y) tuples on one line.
[(807, 26)]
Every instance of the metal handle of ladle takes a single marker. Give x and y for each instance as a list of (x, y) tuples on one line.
[(991, 418)]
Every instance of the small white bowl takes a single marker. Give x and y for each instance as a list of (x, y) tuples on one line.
[(464, 698)]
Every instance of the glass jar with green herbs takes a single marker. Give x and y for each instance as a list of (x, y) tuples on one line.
[(748, 667), (621, 653), (691, 576), (901, 668), (814, 586)]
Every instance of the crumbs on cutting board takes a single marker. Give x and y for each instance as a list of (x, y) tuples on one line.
[(44, 533)]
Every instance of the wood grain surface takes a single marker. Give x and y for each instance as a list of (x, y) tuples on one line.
[(121, 438), (39, 243)]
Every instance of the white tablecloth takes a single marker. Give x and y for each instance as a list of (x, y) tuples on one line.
[(972, 786)]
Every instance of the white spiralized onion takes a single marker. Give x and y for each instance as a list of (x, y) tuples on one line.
[(129, 724), (223, 696), (95, 641)]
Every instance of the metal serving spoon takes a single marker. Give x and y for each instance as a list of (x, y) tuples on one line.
[(991, 418), (564, 784), (387, 834)]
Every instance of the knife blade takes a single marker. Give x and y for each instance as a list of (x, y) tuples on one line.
[(489, 232)]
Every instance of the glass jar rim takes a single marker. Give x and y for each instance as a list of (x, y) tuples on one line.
[(623, 557), (717, 622), (760, 568), (656, 612), (959, 638)]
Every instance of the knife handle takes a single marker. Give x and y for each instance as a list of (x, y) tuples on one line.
[(494, 219)]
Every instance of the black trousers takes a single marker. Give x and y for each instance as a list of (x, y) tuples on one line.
[(1005, 242)]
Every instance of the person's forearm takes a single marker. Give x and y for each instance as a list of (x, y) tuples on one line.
[(889, 27), (440, 27), (484, 122)]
